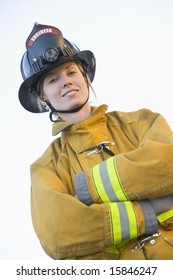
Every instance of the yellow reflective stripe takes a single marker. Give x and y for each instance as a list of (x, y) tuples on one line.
[(123, 244), (115, 222), (107, 182), (123, 221), (132, 219), (165, 216), (114, 178), (98, 184), (113, 249)]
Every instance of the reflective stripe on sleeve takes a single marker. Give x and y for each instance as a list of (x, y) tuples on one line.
[(123, 221), (165, 216), (107, 182)]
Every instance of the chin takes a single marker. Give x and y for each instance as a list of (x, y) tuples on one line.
[(72, 107)]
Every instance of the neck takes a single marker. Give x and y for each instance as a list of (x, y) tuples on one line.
[(78, 116)]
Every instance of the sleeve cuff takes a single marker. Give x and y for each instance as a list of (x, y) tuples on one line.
[(151, 223), (82, 191)]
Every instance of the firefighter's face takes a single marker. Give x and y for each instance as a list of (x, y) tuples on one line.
[(65, 87)]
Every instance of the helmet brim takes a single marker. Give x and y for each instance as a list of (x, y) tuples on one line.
[(30, 99)]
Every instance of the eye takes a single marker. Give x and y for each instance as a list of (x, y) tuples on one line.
[(52, 79), (72, 72)]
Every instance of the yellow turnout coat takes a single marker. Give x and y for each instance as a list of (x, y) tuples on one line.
[(106, 227)]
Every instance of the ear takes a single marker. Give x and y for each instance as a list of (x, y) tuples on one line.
[(44, 103), (42, 98)]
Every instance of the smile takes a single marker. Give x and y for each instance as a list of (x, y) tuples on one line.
[(70, 92)]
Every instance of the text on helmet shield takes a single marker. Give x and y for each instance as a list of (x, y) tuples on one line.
[(39, 33)]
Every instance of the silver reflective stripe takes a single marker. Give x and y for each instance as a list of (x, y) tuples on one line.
[(123, 221), (125, 227), (106, 182)]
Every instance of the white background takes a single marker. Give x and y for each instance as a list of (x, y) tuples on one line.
[(133, 45)]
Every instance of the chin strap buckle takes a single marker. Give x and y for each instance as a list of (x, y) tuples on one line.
[(140, 244)]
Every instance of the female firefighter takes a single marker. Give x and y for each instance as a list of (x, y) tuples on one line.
[(104, 188)]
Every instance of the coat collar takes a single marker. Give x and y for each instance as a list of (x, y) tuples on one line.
[(86, 134)]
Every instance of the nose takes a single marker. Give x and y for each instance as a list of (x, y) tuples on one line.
[(66, 81)]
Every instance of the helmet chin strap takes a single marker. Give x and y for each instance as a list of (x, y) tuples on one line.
[(54, 111)]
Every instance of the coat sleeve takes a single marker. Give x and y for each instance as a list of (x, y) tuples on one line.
[(144, 173), (68, 228), (147, 172)]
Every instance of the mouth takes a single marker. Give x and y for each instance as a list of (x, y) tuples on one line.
[(70, 92)]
